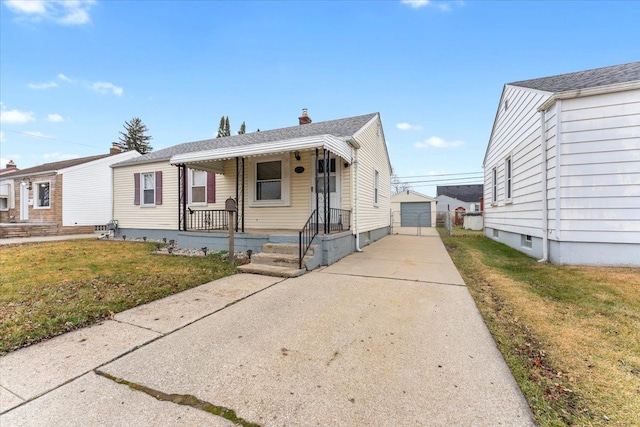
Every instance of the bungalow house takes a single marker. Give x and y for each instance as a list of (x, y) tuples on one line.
[(324, 184), (66, 197), (561, 167), (412, 209)]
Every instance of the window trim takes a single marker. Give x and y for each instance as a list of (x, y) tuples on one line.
[(494, 185), (36, 195), (9, 196), (376, 187), (508, 178), (142, 189), (526, 241), (192, 181), (285, 182)]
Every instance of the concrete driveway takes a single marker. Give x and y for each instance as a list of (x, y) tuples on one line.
[(386, 337)]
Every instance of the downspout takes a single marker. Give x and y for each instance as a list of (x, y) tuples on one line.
[(545, 198), (356, 198)]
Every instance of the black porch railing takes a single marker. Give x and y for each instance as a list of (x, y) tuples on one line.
[(339, 220), (211, 219), (306, 236)]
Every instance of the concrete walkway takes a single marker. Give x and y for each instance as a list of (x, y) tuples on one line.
[(20, 240), (386, 337)]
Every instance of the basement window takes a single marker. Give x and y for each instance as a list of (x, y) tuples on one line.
[(526, 241), (496, 233)]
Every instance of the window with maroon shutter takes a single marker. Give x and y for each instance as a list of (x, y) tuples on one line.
[(159, 188), (211, 187), (136, 188)]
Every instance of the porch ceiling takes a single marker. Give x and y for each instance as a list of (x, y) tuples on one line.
[(211, 160)]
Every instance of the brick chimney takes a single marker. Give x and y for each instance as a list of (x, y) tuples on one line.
[(304, 119), (115, 149), (11, 165)]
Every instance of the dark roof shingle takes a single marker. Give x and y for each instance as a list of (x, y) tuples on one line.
[(466, 193), (585, 79), (338, 128), (54, 166)]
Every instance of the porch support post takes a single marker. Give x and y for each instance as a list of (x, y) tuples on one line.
[(315, 186), (324, 192), (182, 197), (242, 196), (235, 225)]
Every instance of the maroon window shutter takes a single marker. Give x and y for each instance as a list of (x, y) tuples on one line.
[(136, 188), (158, 188), (186, 179), (211, 187)]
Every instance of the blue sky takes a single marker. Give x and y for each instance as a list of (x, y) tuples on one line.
[(71, 72)]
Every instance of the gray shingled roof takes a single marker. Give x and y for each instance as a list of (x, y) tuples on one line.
[(585, 79), (339, 128), (466, 193), (54, 166)]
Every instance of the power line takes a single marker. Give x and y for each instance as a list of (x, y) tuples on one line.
[(49, 137), (441, 174), (440, 180)]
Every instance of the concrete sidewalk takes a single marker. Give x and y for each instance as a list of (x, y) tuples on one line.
[(36, 239), (386, 337)]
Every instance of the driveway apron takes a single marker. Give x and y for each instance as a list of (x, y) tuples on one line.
[(386, 337)]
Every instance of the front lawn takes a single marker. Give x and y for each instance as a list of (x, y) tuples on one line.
[(50, 288), (571, 335)]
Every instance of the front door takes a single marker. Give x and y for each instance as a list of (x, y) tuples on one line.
[(335, 184), (24, 203)]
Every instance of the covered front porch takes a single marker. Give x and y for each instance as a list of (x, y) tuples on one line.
[(297, 191)]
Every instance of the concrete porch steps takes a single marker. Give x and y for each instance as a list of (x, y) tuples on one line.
[(277, 259)]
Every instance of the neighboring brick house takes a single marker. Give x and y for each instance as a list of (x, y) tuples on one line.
[(66, 197)]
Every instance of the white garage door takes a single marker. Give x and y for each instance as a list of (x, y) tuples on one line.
[(415, 214)]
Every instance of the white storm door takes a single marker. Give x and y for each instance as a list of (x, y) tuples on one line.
[(24, 203), (335, 184)]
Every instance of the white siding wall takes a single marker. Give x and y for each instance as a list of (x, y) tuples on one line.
[(129, 215), (600, 168), (373, 156), (87, 193), (516, 134)]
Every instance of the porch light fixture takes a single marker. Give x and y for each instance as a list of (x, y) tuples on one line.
[(297, 155), (26, 183)]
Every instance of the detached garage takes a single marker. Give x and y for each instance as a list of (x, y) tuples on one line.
[(412, 209)]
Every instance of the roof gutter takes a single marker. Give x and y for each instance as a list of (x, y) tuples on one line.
[(598, 90)]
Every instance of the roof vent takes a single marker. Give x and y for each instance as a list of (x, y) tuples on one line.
[(304, 119)]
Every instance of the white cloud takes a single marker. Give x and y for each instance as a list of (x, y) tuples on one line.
[(438, 142), (416, 3), (55, 118), (37, 134), (65, 12), (407, 126), (16, 116), (444, 6), (105, 87), (42, 85), (64, 78)]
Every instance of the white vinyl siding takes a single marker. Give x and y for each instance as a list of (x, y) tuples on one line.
[(372, 156), (599, 163), (164, 216), (515, 136), (87, 191), (593, 159)]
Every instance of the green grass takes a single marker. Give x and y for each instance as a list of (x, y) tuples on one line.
[(50, 288), (571, 335)]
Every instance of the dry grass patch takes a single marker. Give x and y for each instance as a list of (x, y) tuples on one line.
[(571, 335), (50, 288)]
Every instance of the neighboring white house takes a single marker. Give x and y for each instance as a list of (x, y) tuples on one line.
[(452, 197), (66, 197), (412, 209), (278, 178), (562, 167)]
